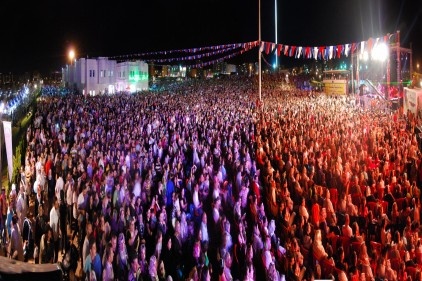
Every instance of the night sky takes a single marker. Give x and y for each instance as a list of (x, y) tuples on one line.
[(36, 36)]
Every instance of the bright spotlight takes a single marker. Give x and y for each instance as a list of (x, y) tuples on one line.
[(365, 56), (380, 52), (71, 55)]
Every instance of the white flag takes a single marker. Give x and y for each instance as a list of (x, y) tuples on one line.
[(7, 126)]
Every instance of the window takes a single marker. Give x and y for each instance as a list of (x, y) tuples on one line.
[(102, 73)]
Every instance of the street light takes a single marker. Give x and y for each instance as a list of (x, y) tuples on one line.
[(71, 55), (1, 142)]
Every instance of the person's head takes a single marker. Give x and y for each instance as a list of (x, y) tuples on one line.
[(109, 254), (134, 265), (92, 248), (142, 252), (14, 220), (113, 241)]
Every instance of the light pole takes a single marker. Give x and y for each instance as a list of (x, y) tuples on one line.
[(71, 58), (259, 51), (1, 142)]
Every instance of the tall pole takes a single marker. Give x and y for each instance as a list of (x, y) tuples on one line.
[(276, 40), (1, 143), (353, 80), (259, 50), (398, 65)]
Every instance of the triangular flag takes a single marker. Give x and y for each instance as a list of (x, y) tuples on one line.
[(362, 47), (292, 51), (315, 53), (299, 52), (339, 50), (267, 48), (279, 46), (272, 47), (330, 56), (262, 47), (346, 50), (308, 52), (322, 52), (286, 50)]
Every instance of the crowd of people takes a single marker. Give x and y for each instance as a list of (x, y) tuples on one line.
[(204, 182)]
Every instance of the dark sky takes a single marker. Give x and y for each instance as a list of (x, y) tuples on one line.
[(37, 35)]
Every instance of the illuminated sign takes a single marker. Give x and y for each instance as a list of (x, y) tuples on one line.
[(335, 87)]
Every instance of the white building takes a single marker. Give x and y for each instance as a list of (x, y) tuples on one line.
[(103, 76)]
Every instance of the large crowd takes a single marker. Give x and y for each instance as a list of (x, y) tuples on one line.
[(205, 182)]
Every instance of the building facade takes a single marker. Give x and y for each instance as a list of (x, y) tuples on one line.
[(103, 76)]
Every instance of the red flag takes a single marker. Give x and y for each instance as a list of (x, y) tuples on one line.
[(279, 46), (307, 51), (322, 51), (339, 49), (267, 48)]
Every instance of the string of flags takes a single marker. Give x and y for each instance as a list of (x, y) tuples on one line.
[(324, 52), (195, 57), (189, 50), (231, 50), (245, 47)]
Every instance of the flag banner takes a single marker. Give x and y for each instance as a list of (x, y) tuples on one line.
[(7, 126)]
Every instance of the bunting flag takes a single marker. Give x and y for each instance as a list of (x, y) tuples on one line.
[(299, 52), (330, 54), (267, 48), (316, 53), (346, 50), (286, 50), (261, 49), (322, 53), (339, 50), (292, 51), (279, 46), (308, 53)]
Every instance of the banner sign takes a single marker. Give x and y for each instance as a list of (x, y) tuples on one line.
[(7, 126)]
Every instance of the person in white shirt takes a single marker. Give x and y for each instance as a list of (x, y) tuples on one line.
[(69, 187), (54, 223), (204, 227), (59, 187), (16, 244)]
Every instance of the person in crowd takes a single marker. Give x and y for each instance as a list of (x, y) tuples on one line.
[(92, 263), (15, 245)]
